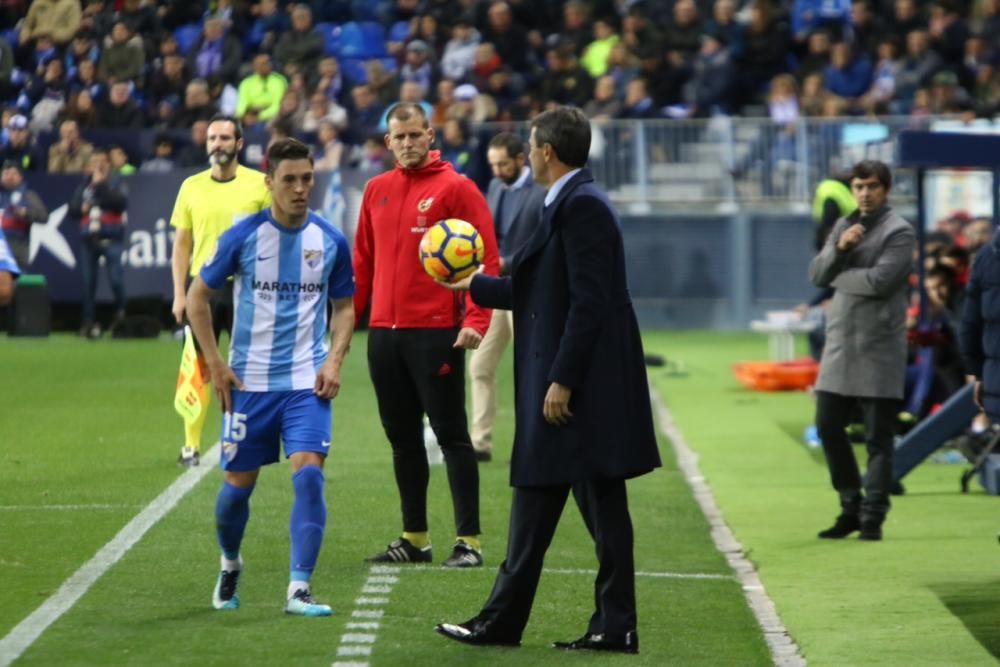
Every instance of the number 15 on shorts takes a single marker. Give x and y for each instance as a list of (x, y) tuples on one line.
[(234, 426)]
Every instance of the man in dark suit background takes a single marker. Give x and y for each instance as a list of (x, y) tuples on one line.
[(583, 417), (515, 201)]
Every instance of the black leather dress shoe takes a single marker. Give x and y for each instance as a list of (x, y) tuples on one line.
[(476, 632), (627, 643)]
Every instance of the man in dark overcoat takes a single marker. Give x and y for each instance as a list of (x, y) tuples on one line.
[(583, 417)]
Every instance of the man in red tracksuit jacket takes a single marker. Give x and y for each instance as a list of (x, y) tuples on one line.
[(419, 332)]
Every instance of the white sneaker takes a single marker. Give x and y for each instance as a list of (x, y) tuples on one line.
[(302, 604), (224, 596)]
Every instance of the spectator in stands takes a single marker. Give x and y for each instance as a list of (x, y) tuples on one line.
[(120, 161), (807, 15), (216, 56), (20, 207), (162, 160), (978, 234), (867, 28), (119, 110), (142, 21), (83, 47), (7, 87), (123, 59), (577, 30), (813, 96), (905, 18), (597, 53), (605, 104), (638, 31), (261, 91), (56, 19), (269, 25), (508, 38), (432, 33), (331, 148), (197, 105), (71, 154), (365, 115), (234, 17), (195, 154), (85, 78), (418, 66), (444, 99), (622, 67), (947, 97), (21, 148), (849, 75), (817, 56), (329, 79), (322, 109), (382, 82), (710, 88), (82, 109), (883, 87), (99, 204), (976, 57), (98, 18), (485, 62), (989, 26), (638, 103), (948, 32), (684, 32), (169, 82), (918, 66), (460, 51), (457, 148), (301, 46), (565, 82), (664, 80), (765, 50), (292, 109), (867, 260), (372, 158), (46, 95)]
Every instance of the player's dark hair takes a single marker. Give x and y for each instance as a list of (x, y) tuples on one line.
[(509, 142), (567, 130), (873, 168), (225, 118), (404, 111), (286, 149)]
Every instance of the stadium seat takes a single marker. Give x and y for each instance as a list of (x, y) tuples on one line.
[(331, 37), (357, 40), (365, 10), (354, 70), (399, 32), (186, 36)]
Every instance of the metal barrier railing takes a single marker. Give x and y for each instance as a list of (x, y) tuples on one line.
[(729, 161)]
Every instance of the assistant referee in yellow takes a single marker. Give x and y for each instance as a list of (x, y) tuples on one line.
[(208, 204)]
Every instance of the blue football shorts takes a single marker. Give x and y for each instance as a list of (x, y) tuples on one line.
[(262, 420)]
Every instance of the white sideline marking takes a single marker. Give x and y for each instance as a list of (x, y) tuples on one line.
[(24, 634), (656, 575), (784, 651), (381, 579), (63, 508)]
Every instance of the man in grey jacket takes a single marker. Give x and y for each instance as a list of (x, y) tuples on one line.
[(867, 259)]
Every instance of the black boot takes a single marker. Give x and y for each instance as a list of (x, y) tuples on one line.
[(871, 528), (842, 527)]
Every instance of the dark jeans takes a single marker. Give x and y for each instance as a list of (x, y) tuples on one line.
[(91, 251), (417, 371), (833, 414)]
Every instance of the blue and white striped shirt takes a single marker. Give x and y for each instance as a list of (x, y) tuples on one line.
[(283, 279)]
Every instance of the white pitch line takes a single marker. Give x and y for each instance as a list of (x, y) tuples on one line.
[(784, 651), (654, 575), (24, 634)]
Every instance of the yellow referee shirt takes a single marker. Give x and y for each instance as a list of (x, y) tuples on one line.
[(208, 207)]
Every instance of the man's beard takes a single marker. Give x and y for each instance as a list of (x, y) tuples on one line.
[(221, 157)]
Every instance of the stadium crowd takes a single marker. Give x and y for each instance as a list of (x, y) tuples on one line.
[(326, 70)]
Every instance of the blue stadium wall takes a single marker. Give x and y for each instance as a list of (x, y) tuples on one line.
[(685, 271)]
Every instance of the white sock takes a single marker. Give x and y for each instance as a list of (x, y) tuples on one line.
[(296, 586), (231, 565)]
